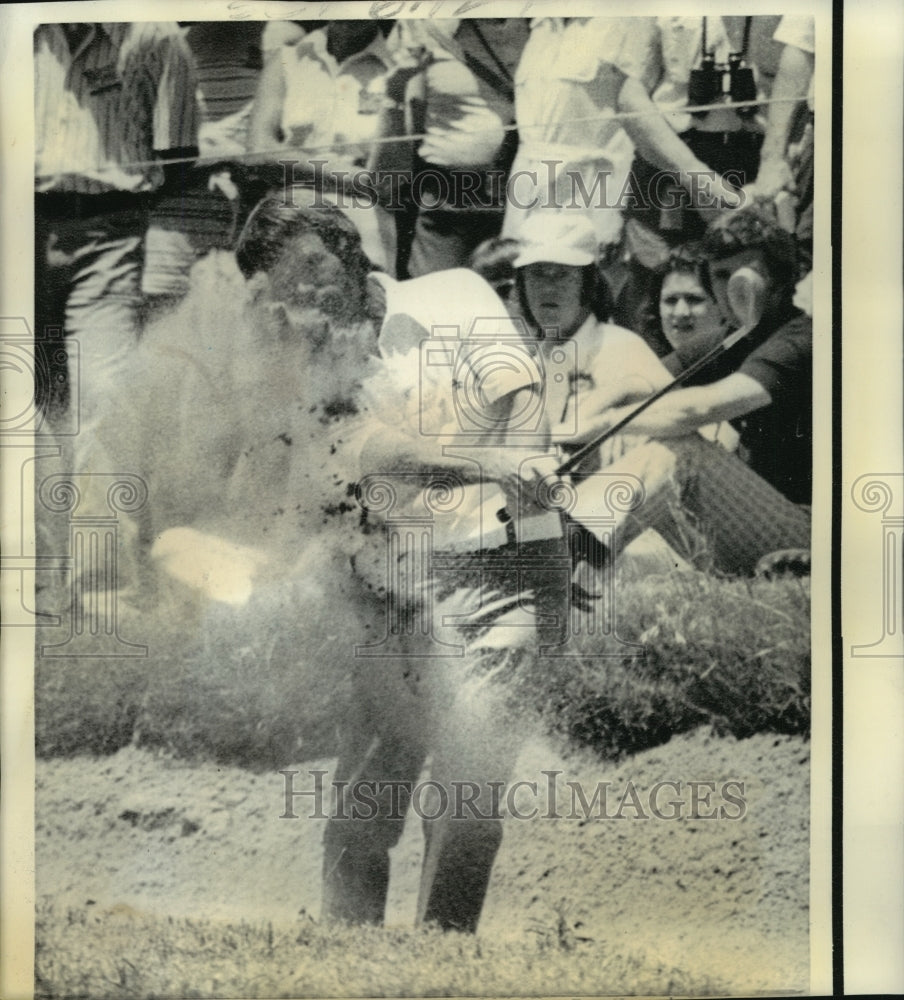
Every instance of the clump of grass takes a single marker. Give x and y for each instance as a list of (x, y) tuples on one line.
[(244, 700), (734, 654), (232, 685), (251, 687), (120, 953), (86, 705)]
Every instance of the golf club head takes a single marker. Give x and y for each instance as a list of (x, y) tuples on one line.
[(747, 296)]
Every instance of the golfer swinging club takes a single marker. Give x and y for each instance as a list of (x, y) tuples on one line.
[(463, 433)]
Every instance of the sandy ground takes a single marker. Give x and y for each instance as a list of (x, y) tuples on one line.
[(724, 897)]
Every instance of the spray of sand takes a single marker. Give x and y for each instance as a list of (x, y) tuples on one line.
[(243, 421), (247, 424)]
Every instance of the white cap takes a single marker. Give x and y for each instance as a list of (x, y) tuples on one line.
[(558, 238)]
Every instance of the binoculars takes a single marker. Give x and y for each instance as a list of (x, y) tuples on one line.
[(713, 82)]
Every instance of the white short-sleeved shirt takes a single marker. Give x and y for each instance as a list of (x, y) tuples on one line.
[(328, 102), (681, 46), (797, 31), (465, 115), (332, 109), (566, 93), (608, 360)]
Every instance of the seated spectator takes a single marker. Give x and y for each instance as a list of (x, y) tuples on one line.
[(691, 323), (684, 320), (768, 391), (561, 296)]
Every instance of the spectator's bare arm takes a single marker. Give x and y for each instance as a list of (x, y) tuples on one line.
[(404, 90), (658, 143), (684, 411), (264, 130), (795, 70)]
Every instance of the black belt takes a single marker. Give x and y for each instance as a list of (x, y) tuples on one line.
[(73, 205)]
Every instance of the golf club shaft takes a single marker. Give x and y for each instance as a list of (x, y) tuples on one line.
[(682, 376)]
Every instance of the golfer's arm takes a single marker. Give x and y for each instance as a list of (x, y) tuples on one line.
[(683, 411)]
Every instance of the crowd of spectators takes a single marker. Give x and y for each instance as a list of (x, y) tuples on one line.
[(155, 140)]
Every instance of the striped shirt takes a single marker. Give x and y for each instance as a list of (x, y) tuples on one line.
[(104, 108)]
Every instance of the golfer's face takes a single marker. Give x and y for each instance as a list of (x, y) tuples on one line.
[(316, 276), (553, 293), (691, 319)]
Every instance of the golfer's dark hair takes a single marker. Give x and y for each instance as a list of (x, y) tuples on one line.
[(595, 294), (754, 228), (275, 222)]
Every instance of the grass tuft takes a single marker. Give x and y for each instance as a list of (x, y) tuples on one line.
[(120, 953), (732, 654)]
